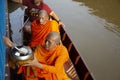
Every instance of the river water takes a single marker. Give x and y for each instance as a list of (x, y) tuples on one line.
[(94, 28)]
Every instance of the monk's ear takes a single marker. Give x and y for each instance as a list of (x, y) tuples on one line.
[(59, 43)]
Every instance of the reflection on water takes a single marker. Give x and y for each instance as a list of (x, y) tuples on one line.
[(107, 9)]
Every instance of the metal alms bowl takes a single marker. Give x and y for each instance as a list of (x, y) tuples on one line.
[(17, 55)]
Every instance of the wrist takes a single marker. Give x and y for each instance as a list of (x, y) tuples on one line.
[(40, 65), (59, 20)]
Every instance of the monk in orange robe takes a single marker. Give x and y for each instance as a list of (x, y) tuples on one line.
[(49, 59), (41, 27)]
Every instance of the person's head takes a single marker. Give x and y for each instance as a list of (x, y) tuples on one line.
[(37, 2), (43, 16), (52, 40)]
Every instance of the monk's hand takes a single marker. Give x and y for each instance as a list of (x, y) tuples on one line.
[(61, 24), (34, 62)]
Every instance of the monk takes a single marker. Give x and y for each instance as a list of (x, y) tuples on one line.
[(49, 60), (33, 8), (41, 27)]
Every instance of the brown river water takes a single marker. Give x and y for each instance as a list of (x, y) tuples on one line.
[(94, 28)]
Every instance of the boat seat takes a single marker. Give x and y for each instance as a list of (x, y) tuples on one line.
[(69, 67), (70, 70)]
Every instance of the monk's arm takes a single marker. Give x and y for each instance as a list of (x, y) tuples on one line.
[(54, 15)]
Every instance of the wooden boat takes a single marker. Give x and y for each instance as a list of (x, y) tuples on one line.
[(75, 67)]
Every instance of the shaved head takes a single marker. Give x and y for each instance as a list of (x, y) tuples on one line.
[(55, 36), (43, 16), (52, 41), (43, 12)]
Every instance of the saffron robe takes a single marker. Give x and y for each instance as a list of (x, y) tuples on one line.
[(53, 63), (40, 31)]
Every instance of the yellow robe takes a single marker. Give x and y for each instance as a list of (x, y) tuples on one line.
[(53, 63)]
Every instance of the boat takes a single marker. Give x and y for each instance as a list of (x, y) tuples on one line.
[(76, 68)]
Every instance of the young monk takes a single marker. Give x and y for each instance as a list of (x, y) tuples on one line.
[(49, 60), (41, 27)]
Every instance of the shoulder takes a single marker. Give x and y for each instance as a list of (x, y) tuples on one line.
[(63, 53), (63, 49), (55, 26), (44, 4), (54, 22), (34, 23), (39, 48)]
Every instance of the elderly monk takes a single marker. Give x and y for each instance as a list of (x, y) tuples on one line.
[(49, 59), (41, 27)]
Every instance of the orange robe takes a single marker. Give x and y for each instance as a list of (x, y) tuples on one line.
[(53, 63), (40, 31)]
